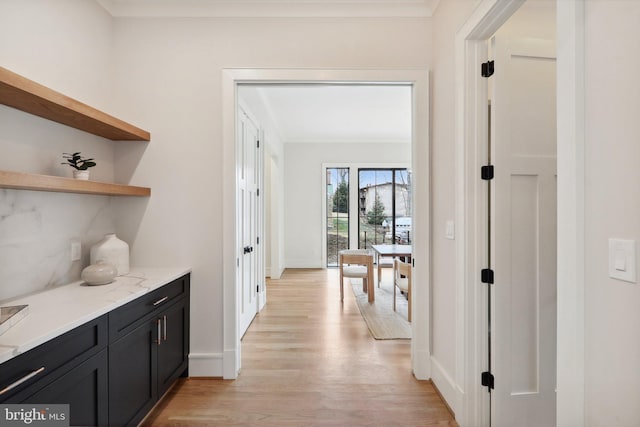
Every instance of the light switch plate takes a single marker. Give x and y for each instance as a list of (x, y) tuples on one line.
[(76, 250), (449, 230), (622, 260)]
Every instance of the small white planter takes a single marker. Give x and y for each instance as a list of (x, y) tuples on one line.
[(84, 175)]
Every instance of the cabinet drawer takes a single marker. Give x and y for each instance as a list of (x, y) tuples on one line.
[(52, 359), (124, 319)]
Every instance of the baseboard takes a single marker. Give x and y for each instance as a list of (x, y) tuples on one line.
[(276, 274), (205, 365), (304, 263), (267, 272), (230, 364), (421, 364), (445, 385)]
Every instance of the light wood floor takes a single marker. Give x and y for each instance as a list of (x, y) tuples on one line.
[(309, 361)]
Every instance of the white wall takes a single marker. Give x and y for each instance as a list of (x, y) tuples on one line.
[(449, 17), (612, 204), (304, 194), (168, 75), (65, 45)]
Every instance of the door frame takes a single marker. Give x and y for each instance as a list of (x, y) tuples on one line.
[(471, 403), (419, 80)]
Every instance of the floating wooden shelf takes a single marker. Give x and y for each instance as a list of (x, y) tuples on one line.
[(26, 95), (27, 181)]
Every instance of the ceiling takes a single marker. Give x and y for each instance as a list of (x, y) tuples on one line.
[(271, 8), (316, 113), (336, 113)]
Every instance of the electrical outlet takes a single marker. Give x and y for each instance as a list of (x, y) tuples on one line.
[(76, 251)]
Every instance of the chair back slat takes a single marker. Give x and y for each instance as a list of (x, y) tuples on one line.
[(356, 259)]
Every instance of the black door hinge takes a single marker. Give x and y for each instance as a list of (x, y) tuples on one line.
[(258, 143), (258, 287), (486, 276), (257, 240), (487, 379), (486, 172), (487, 69), (258, 192)]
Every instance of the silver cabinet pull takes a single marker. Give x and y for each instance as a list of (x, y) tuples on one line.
[(160, 301), (21, 380), (164, 335), (159, 340)]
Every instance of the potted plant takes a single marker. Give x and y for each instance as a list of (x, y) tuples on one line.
[(80, 164)]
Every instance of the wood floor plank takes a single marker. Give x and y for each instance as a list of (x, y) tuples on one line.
[(308, 360)]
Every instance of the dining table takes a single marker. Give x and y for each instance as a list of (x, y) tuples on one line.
[(401, 251)]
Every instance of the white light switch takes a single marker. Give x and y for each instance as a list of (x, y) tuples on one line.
[(622, 260), (449, 230)]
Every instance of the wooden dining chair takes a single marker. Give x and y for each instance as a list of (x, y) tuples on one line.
[(402, 280), (383, 262), (357, 263)]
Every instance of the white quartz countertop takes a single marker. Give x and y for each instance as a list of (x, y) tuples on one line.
[(56, 311)]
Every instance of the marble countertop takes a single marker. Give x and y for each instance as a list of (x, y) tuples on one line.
[(56, 311)]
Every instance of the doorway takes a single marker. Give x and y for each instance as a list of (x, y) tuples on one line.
[(472, 255), (521, 232), (418, 80)]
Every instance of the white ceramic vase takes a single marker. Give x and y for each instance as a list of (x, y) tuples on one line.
[(99, 273), (112, 251)]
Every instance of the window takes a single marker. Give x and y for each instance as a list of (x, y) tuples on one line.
[(337, 213), (384, 206)]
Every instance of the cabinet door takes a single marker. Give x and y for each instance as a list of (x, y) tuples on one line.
[(173, 351), (84, 389), (132, 374)]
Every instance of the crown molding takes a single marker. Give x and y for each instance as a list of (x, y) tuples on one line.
[(270, 8)]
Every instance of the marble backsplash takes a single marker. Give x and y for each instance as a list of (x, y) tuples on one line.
[(36, 232)]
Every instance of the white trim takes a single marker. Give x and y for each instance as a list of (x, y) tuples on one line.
[(421, 358), (571, 236), (443, 381), (419, 79), (205, 365), (230, 327), (270, 8), (471, 404)]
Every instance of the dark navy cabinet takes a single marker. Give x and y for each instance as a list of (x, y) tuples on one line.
[(113, 369), (149, 351)]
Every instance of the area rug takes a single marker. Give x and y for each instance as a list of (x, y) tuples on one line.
[(383, 322)]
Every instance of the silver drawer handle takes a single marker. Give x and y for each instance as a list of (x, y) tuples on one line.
[(164, 320), (160, 301), (159, 340), (21, 380)]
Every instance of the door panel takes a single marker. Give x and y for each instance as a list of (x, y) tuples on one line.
[(524, 233), (248, 170)]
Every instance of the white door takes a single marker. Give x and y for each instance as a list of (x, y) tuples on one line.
[(523, 233), (248, 169)]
